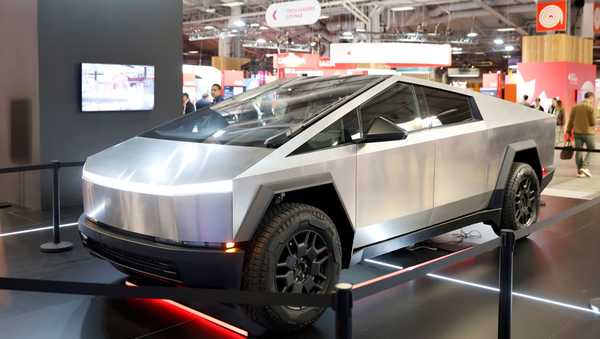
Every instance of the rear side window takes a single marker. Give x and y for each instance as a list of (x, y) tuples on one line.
[(445, 108)]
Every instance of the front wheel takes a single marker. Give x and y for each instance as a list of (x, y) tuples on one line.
[(521, 198), (296, 250)]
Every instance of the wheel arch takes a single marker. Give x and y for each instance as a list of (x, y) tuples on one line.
[(322, 195), (523, 151)]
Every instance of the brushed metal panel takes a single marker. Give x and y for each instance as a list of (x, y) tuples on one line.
[(461, 171), (335, 165), (192, 219), (170, 163), (395, 182), (178, 191)]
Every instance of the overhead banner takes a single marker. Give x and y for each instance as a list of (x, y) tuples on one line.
[(296, 60), (551, 16), (401, 54), (294, 13)]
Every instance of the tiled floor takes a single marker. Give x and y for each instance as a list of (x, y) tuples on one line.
[(566, 183)]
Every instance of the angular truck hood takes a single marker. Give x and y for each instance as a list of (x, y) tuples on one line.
[(170, 168)]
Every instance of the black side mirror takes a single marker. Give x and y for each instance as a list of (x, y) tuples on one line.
[(382, 129)]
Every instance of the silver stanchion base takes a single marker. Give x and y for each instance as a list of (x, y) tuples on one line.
[(51, 247)]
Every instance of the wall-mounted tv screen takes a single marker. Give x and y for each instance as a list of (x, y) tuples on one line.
[(113, 87)]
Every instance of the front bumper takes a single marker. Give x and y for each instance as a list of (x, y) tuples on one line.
[(190, 266)]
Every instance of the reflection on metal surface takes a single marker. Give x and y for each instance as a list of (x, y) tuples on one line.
[(491, 288), (190, 311), (222, 186), (2, 235)]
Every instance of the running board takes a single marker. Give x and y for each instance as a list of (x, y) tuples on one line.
[(412, 238)]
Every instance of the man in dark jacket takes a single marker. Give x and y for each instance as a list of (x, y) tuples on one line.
[(188, 107), (216, 93)]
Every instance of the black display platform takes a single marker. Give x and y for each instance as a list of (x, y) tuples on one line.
[(555, 270)]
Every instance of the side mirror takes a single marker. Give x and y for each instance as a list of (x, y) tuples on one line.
[(382, 129)]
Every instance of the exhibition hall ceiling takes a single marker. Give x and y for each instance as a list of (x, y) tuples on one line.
[(481, 30)]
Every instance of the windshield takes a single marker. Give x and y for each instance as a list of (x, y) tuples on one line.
[(268, 113)]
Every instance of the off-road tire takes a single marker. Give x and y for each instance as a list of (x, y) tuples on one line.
[(522, 196), (279, 226)]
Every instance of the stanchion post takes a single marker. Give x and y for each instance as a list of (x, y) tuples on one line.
[(343, 311), (56, 245), (507, 249)]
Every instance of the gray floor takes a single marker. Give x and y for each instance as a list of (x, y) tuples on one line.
[(559, 264)]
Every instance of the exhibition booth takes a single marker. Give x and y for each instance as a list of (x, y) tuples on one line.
[(361, 170)]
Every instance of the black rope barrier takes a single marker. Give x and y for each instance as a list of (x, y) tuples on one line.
[(167, 292), (341, 301), (56, 245), (591, 150)]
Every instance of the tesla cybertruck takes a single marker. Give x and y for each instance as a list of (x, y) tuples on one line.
[(279, 188)]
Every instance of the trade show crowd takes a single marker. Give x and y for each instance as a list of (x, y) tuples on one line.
[(580, 128), (216, 93)]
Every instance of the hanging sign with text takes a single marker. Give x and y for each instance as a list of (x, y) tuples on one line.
[(293, 13)]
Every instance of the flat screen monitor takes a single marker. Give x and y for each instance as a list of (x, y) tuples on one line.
[(114, 87)]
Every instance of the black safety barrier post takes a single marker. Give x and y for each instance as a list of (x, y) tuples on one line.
[(507, 249), (56, 245), (343, 311)]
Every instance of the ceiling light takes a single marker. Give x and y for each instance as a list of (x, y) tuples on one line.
[(472, 34), (456, 49), (210, 10), (254, 24), (324, 16), (509, 48), (361, 30), (239, 23), (209, 27), (506, 29), (232, 3), (261, 41), (193, 52), (347, 33), (506, 57), (402, 9), (234, 31), (263, 28), (480, 53), (498, 41)]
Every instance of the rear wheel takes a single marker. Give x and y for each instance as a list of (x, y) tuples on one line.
[(521, 198), (296, 250)]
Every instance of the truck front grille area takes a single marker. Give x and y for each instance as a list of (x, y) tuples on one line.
[(153, 266)]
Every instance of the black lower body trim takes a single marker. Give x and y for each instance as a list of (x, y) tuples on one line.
[(196, 267)]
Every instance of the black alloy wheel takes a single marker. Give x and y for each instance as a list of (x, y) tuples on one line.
[(521, 198), (303, 264), (526, 202), (295, 250)]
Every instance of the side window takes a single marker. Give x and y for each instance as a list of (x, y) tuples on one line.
[(338, 133), (444, 108), (398, 104)]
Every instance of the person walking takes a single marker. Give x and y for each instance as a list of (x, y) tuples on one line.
[(559, 112), (582, 124)]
